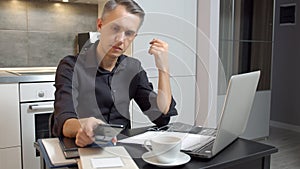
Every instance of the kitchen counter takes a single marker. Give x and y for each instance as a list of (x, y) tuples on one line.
[(34, 74)]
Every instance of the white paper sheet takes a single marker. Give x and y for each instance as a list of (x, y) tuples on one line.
[(115, 157), (188, 140), (107, 162)]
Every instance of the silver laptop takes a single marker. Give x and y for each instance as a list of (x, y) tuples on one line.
[(235, 113)]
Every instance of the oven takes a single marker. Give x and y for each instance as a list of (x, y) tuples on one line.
[(36, 105)]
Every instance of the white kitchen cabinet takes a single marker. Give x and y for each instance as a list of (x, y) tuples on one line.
[(174, 21), (258, 123), (10, 143), (10, 158)]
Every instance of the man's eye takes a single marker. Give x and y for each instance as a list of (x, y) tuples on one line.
[(115, 28), (129, 33)]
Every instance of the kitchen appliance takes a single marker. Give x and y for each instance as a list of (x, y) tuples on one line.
[(25, 71), (36, 105), (84, 37)]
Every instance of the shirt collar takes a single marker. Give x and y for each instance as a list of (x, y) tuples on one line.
[(88, 55), (117, 67)]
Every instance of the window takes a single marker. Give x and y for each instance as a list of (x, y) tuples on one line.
[(287, 14)]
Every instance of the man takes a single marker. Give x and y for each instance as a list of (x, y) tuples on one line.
[(97, 85)]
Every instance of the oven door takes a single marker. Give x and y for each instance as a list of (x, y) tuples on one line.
[(34, 122)]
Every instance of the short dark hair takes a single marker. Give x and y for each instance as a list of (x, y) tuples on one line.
[(130, 5)]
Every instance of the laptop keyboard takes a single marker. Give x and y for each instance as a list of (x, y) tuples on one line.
[(208, 132), (208, 146)]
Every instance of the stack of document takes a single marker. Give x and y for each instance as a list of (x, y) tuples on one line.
[(55, 153), (114, 157), (189, 141)]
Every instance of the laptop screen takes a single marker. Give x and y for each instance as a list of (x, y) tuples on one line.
[(236, 109)]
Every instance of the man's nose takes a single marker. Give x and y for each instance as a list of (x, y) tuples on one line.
[(120, 36)]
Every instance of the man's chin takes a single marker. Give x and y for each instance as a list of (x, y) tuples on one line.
[(115, 53)]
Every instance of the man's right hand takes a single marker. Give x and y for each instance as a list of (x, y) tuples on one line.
[(85, 135), (81, 129)]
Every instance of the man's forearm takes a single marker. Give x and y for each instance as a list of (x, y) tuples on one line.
[(70, 127), (164, 92)]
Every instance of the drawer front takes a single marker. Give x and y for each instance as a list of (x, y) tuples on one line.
[(10, 158), (9, 116), (37, 91)]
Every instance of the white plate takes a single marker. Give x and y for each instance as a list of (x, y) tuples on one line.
[(181, 159)]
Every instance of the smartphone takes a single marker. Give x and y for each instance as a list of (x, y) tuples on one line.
[(104, 133)]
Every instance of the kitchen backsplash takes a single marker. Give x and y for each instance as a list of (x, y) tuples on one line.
[(41, 33)]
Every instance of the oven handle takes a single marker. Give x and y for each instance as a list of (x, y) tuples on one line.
[(39, 107)]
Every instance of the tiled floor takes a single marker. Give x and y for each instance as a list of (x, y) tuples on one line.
[(288, 143)]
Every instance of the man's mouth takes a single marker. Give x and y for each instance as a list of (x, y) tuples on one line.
[(117, 48)]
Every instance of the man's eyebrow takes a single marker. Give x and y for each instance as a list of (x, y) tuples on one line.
[(126, 29), (114, 24)]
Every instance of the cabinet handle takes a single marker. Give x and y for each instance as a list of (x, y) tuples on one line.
[(38, 107)]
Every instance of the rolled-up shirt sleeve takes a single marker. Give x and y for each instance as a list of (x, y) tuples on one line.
[(63, 105), (146, 99)]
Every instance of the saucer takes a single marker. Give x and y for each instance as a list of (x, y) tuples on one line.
[(181, 159)]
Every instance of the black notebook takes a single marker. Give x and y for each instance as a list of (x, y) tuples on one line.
[(69, 147)]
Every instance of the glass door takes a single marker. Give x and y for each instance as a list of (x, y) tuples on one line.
[(246, 38)]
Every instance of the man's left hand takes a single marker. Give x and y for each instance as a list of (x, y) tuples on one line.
[(160, 51)]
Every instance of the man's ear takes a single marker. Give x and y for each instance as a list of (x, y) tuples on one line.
[(99, 24)]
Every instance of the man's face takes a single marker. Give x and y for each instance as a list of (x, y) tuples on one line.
[(118, 29)]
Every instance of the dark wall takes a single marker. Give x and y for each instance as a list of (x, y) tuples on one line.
[(37, 33), (285, 102)]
